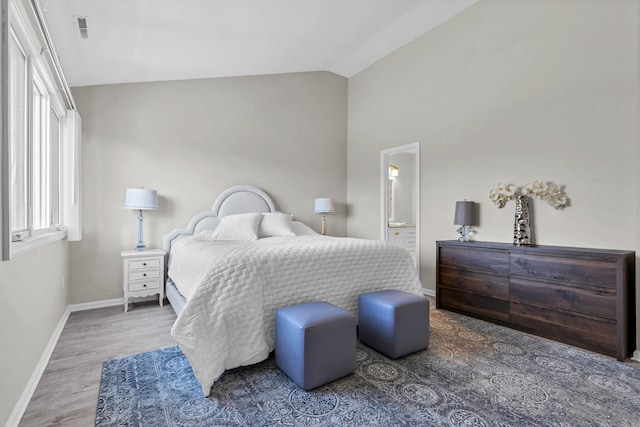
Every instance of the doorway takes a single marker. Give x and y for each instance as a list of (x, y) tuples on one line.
[(400, 198)]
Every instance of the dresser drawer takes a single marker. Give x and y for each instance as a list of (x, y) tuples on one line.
[(523, 313), (138, 285), (591, 301), (144, 274), (585, 271), (144, 263), (474, 304), (487, 260), (575, 329), (493, 286)]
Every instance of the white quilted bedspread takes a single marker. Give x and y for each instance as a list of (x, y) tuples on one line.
[(233, 290)]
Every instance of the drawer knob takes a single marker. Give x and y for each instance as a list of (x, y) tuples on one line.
[(144, 274), (144, 263), (144, 286)]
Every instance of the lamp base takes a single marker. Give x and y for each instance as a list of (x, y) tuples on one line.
[(465, 233), (141, 247)]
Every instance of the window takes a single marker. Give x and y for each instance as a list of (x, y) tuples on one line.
[(40, 158), (55, 167), (17, 112), (40, 132)]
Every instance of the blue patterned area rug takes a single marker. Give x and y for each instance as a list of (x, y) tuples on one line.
[(473, 374)]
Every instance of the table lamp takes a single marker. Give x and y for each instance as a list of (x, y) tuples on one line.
[(324, 206), (465, 216), (141, 199)]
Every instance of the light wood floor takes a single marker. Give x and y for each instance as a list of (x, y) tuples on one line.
[(67, 394)]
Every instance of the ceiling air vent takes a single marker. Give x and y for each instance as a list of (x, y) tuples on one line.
[(82, 25)]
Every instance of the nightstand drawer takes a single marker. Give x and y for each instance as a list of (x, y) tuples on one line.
[(144, 274), (144, 263), (139, 285)]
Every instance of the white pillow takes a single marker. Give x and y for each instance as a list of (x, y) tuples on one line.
[(276, 224), (302, 229), (238, 227)]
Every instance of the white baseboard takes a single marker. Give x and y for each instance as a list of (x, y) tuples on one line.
[(636, 356), (430, 292), (108, 303), (96, 304), (30, 388)]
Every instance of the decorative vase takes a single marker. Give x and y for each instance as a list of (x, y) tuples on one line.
[(521, 228)]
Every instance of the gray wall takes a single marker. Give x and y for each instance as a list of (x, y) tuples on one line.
[(508, 91), (34, 301), (189, 140)]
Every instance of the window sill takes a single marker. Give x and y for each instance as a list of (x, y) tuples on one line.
[(31, 243)]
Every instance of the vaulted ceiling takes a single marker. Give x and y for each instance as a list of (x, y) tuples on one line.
[(152, 40)]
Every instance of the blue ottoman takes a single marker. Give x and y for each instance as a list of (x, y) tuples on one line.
[(393, 322), (315, 343)]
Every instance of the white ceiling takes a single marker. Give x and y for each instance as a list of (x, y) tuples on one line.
[(151, 40)]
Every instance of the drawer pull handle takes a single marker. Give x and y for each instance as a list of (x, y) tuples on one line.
[(144, 274), (144, 263), (144, 286)]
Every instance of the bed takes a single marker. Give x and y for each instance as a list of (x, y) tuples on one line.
[(233, 266)]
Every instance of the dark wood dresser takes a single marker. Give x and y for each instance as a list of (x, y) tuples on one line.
[(582, 297)]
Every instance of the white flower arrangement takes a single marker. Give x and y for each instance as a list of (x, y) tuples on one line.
[(547, 191)]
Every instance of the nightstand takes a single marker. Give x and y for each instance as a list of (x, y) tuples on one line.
[(142, 274)]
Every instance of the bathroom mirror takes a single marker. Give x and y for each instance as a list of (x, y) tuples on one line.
[(400, 198)]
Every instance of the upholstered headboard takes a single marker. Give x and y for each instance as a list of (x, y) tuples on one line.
[(234, 200)]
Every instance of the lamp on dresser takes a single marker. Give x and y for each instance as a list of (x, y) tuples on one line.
[(141, 199), (324, 206), (465, 217)]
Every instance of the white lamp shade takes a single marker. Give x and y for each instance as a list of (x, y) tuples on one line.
[(141, 198), (324, 205)]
